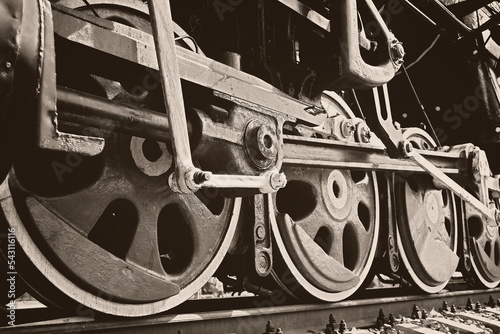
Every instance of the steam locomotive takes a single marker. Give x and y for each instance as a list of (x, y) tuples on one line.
[(303, 146)]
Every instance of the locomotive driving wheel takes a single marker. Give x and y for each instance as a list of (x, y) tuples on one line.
[(326, 228), (484, 245), (326, 231), (107, 231), (426, 224)]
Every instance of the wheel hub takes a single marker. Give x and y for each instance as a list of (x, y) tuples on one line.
[(151, 157), (337, 190), (432, 204)]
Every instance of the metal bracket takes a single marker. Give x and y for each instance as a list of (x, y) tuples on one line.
[(48, 136), (382, 123), (262, 235), (355, 72), (482, 176), (466, 257), (392, 246)]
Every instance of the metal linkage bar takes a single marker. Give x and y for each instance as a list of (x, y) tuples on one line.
[(185, 177), (347, 155), (308, 13), (492, 215)]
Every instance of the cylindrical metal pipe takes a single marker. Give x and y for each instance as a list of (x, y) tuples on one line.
[(232, 59), (89, 110)]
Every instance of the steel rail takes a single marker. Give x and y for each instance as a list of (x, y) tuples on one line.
[(292, 319)]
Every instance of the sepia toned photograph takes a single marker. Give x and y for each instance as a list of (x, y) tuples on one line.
[(250, 166)]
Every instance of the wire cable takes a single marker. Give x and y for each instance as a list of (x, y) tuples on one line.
[(358, 105), (425, 52), (197, 49), (421, 106)]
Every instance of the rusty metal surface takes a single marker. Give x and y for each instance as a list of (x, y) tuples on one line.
[(262, 236), (158, 230), (292, 319)]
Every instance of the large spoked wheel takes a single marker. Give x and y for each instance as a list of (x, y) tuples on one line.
[(484, 243), (427, 225), (107, 232), (326, 232)]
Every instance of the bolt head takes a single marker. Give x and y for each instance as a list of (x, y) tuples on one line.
[(260, 232), (278, 180), (397, 52), (200, 177), (347, 128), (367, 135)]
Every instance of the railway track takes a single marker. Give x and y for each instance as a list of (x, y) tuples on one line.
[(239, 315)]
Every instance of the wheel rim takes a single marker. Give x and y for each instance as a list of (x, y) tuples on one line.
[(326, 231), (485, 248), (426, 217), (136, 248)]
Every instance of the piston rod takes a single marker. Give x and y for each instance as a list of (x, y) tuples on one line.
[(90, 110)]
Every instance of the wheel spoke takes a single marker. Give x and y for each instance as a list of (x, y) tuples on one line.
[(80, 209), (360, 230), (337, 248), (313, 223), (205, 226), (93, 265), (143, 249)]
